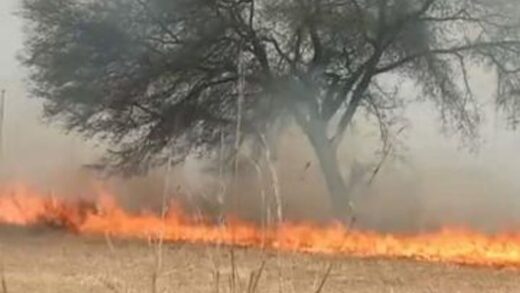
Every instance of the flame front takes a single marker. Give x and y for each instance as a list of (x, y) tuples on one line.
[(21, 206)]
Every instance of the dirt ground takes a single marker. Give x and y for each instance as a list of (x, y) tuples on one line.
[(40, 260)]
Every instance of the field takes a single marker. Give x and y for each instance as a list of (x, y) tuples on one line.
[(43, 260)]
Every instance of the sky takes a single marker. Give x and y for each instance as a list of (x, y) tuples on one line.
[(10, 40)]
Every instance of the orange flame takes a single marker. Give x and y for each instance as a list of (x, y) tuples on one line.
[(21, 206)]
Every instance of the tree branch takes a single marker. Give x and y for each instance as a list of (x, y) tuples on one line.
[(440, 51)]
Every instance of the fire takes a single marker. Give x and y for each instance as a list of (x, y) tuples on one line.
[(20, 205)]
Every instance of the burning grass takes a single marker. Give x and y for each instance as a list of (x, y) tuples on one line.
[(104, 216)]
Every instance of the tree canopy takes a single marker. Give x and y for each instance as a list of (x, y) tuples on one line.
[(161, 79)]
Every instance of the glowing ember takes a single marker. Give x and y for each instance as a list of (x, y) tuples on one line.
[(21, 206)]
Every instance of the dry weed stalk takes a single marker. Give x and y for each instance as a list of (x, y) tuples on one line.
[(3, 280), (158, 261), (324, 279), (280, 273), (240, 108), (216, 276), (275, 180), (159, 242), (220, 217), (233, 280), (110, 244), (263, 197), (216, 265), (254, 278), (157, 265)]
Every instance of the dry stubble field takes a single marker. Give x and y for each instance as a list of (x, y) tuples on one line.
[(42, 260)]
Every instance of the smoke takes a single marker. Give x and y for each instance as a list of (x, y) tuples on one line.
[(438, 184)]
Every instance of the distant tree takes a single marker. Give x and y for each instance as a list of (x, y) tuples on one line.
[(161, 79)]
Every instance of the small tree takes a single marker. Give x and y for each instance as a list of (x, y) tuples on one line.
[(157, 78)]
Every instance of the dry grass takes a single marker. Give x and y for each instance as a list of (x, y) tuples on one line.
[(50, 261)]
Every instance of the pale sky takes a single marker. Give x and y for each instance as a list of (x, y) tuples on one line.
[(30, 148), (10, 40)]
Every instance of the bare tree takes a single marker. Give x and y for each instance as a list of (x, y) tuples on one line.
[(152, 76)]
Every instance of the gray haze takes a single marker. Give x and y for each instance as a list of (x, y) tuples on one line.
[(439, 183), (31, 150)]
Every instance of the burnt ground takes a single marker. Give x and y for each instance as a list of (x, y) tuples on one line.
[(43, 260)]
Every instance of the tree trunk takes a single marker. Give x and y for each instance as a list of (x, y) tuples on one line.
[(326, 153)]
